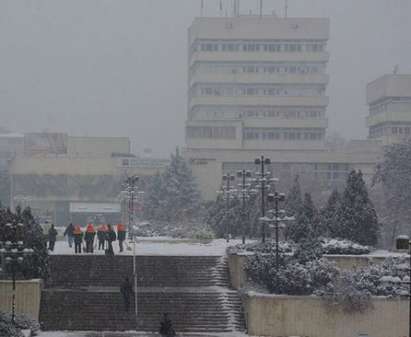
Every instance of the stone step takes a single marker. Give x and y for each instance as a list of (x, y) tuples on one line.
[(193, 290)]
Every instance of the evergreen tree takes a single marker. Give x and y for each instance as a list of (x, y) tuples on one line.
[(293, 202), (35, 265), (173, 196), (305, 221), (356, 218), (154, 196), (328, 213), (394, 174)]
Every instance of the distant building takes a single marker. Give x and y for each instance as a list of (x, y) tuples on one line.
[(64, 178), (389, 100), (257, 85), (11, 145)]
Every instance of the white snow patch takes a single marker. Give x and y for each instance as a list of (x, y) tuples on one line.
[(160, 246)]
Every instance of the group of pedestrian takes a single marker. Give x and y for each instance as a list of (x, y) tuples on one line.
[(106, 235)]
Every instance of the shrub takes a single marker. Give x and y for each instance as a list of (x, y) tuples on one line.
[(8, 329)]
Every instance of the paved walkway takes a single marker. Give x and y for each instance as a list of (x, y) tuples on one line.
[(132, 334), (161, 246)]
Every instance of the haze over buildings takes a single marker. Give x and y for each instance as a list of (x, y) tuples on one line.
[(118, 68)]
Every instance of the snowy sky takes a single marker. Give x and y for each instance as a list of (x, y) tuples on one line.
[(118, 67)]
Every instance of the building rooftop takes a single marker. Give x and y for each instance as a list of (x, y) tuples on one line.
[(391, 85), (262, 28)]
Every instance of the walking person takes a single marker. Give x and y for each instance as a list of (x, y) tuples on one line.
[(70, 235), (78, 238), (111, 237), (121, 235), (101, 236), (89, 238), (52, 236), (126, 290)]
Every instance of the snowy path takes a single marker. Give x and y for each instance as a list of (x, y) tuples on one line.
[(160, 247), (132, 334)]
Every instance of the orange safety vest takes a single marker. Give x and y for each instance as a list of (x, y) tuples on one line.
[(90, 228), (121, 227), (77, 229)]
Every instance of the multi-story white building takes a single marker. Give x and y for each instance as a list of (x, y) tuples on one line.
[(389, 100), (257, 83)]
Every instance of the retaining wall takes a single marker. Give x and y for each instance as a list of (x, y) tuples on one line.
[(28, 295), (310, 316), (237, 262)]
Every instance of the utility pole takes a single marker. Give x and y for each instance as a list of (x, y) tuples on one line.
[(261, 162), (227, 190), (244, 196)]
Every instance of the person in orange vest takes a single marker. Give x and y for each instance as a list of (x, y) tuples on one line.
[(78, 238), (101, 236), (121, 235), (89, 238)]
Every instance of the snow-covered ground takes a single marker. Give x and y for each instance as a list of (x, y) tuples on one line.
[(133, 334), (160, 246)]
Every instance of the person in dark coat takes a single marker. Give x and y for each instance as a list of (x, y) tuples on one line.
[(166, 327), (89, 238), (52, 236), (69, 232), (126, 290), (111, 237), (78, 238), (101, 236)]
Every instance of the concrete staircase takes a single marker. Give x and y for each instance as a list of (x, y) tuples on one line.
[(83, 294)]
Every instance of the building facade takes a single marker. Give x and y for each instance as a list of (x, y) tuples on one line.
[(64, 178), (389, 100), (257, 83)]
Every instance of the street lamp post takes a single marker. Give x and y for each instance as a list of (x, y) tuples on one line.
[(131, 192), (262, 179), (277, 198), (13, 252), (227, 190), (131, 185), (244, 196)]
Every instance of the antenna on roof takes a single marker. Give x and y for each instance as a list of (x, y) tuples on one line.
[(261, 8), (395, 70), (202, 8), (285, 8), (221, 7)]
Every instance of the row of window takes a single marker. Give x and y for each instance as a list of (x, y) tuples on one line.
[(277, 134), (402, 106), (223, 132), (211, 113), (260, 91), (379, 131), (277, 47), (272, 68)]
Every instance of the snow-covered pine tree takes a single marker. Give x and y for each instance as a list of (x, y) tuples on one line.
[(394, 173), (293, 202), (328, 213), (305, 221), (153, 198), (181, 197), (356, 218)]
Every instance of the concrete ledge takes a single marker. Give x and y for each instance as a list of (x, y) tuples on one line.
[(28, 296), (278, 315), (237, 263)]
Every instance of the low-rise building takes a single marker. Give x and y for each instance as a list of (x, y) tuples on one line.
[(389, 100), (64, 178)]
